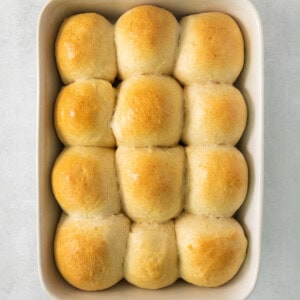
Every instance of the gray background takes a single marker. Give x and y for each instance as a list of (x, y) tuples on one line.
[(279, 276)]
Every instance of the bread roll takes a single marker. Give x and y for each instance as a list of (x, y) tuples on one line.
[(89, 253), (151, 182), (146, 39), (217, 180), (83, 113), (151, 258), (214, 114), (149, 112), (211, 48), (211, 251), (85, 48), (84, 182)]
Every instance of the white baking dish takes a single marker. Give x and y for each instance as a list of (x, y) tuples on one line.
[(250, 83)]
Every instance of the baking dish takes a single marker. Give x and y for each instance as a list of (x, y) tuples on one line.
[(250, 83)]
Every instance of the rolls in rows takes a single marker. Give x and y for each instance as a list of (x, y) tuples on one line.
[(150, 184), (149, 110), (205, 47), (94, 254)]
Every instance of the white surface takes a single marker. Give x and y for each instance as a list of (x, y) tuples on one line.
[(279, 276), (250, 83)]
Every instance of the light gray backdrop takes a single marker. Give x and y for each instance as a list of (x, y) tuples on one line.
[(280, 264)]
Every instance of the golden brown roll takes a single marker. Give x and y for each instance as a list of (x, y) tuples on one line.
[(83, 113), (89, 253), (84, 181), (211, 251), (217, 180), (151, 182), (214, 114), (151, 258), (211, 48), (146, 41), (85, 48), (149, 112)]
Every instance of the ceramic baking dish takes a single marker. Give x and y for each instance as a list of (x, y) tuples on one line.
[(251, 85)]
